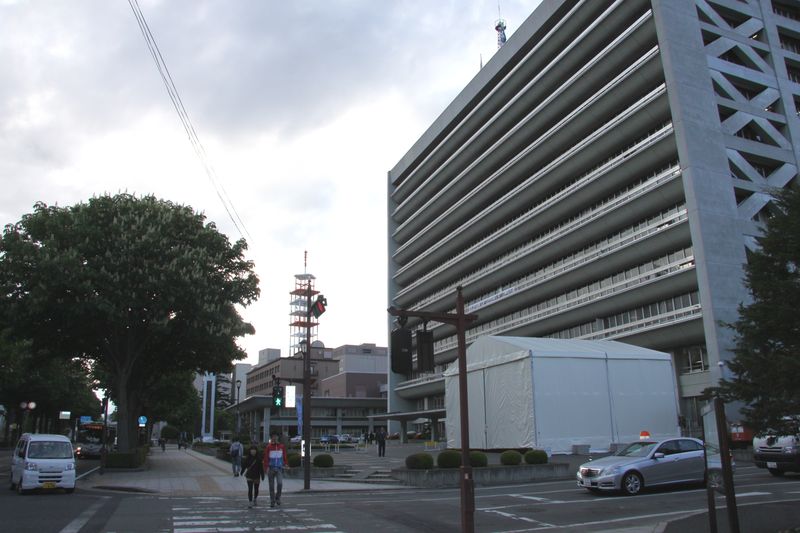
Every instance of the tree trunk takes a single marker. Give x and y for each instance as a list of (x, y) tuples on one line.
[(126, 438)]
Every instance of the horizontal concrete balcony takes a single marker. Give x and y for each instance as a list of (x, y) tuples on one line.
[(501, 169), (672, 279), (556, 54), (659, 234), (429, 385), (605, 180), (627, 208)]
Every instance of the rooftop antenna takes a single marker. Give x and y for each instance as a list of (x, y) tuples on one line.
[(500, 28)]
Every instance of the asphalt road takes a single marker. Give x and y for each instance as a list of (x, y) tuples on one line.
[(766, 504)]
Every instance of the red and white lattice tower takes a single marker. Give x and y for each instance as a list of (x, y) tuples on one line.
[(299, 318)]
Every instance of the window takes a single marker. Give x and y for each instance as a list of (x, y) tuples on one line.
[(687, 445)]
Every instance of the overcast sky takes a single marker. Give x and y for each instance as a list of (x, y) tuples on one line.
[(303, 106)]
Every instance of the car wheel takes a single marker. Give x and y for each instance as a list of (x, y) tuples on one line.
[(12, 485), (775, 472), (632, 483), (20, 490), (69, 491)]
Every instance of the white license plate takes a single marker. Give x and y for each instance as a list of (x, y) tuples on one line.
[(772, 465), (48, 485)]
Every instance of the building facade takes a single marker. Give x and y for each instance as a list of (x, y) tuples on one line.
[(348, 390), (602, 177)]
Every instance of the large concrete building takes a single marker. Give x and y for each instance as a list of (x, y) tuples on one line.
[(602, 177)]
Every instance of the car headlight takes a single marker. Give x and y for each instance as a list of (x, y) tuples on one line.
[(611, 470), (31, 466), (790, 449), (70, 466)]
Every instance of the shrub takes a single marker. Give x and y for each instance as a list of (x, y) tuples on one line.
[(536, 457), (323, 460), (478, 459), (510, 458), (449, 459), (294, 459), (419, 461), (132, 459)]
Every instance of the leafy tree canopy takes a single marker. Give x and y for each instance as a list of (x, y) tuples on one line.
[(136, 287), (766, 365)]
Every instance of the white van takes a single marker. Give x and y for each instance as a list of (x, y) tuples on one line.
[(42, 461)]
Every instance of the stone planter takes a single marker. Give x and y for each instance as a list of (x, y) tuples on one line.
[(486, 476)]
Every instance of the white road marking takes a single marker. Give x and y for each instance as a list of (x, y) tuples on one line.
[(522, 518), (746, 494), (85, 516)]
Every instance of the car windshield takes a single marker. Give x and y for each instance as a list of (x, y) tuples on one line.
[(49, 450), (637, 449)]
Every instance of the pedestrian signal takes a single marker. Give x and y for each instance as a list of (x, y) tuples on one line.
[(277, 396)]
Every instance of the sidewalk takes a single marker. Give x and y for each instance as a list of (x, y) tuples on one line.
[(189, 473)]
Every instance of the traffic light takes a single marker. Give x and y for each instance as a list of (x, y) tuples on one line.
[(425, 361), (277, 396), (318, 307), (400, 350)]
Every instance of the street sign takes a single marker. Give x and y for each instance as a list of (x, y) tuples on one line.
[(142, 421), (64, 415)]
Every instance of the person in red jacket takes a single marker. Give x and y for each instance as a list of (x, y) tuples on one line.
[(274, 462)]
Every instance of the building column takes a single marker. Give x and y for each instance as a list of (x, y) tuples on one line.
[(434, 429), (404, 431), (338, 420), (267, 420)]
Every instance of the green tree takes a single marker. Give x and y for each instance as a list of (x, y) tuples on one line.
[(766, 362), (136, 287), (53, 384)]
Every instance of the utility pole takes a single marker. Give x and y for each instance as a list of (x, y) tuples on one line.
[(307, 394), (460, 320)]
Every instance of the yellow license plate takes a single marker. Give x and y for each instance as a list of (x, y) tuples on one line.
[(48, 485)]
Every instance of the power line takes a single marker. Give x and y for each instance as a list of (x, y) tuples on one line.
[(183, 115)]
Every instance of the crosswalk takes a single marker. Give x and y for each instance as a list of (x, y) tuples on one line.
[(211, 515)]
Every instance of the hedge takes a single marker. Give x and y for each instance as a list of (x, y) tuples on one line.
[(478, 459), (323, 460), (536, 457), (419, 461), (510, 458), (132, 459), (449, 459), (294, 459)]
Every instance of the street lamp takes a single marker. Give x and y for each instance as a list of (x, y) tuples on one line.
[(238, 423)]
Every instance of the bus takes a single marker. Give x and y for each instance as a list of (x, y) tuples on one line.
[(89, 439)]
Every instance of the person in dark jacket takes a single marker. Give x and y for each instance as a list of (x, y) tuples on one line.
[(253, 472)]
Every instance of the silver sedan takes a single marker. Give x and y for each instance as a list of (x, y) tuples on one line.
[(647, 463)]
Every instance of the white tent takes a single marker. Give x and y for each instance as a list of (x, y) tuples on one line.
[(553, 394)]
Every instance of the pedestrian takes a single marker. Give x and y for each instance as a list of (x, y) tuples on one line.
[(253, 472), (381, 438), (163, 442), (274, 461), (236, 452)]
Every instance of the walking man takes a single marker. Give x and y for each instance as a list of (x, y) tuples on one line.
[(381, 438), (236, 456), (274, 461)]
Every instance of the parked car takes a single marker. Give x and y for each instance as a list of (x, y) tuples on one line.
[(777, 453), (345, 437), (42, 461), (646, 463), (329, 439), (296, 439)]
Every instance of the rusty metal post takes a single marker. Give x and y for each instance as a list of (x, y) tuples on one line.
[(307, 394), (727, 471), (467, 483)]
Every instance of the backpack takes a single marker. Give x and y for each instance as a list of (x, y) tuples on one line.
[(235, 449)]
